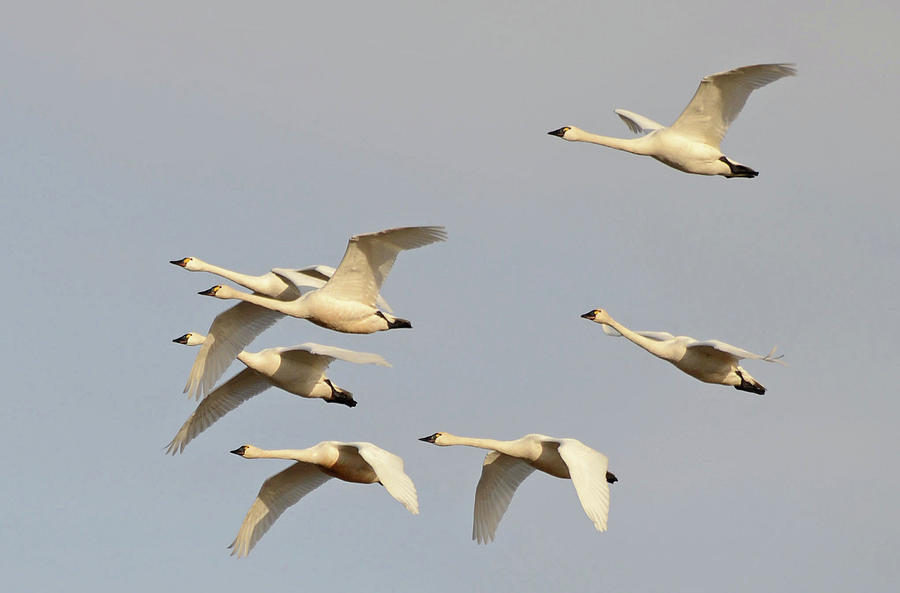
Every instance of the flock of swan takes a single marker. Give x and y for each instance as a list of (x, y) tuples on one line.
[(347, 299)]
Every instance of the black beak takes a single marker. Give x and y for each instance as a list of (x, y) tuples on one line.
[(429, 439), (210, 291), (240, 450), (179, 262), (589, 315), (560, 132), (182, 340)]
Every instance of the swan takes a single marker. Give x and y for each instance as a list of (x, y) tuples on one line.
[(710, 361), (299, 370), (691, 144), (347, 301), (238, 326), (363, 463), (510, 462)]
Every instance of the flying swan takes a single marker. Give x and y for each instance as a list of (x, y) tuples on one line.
[(363, 463), (509, 462), (691, 144), (710, 361), (299, 370), (237, 326)]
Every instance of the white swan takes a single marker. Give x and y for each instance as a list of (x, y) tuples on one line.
[(691, 144), (347, 301), (363, 463), (510, 462), (711, 361), (236, 327), (299, 370)]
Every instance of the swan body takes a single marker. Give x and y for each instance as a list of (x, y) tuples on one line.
[(710, 361), (508, 463), (299, 370), (347, 301), (363, 463), (692, 143), (236, 327)]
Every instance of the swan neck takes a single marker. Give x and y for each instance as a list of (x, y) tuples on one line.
[(294, 454), (633, 145), (492, 444), (286, 307), (652, 346)]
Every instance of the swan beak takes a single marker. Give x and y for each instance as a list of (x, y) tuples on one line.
[(240, 450), (429, 439), (182, 340), (180, 262), (560, 132), (211, 291), (589, 315)]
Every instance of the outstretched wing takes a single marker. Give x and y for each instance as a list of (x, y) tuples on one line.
[(317, 277), (369, 259), (734, 351), (279, 492), (389, 469), (587, 468), (638, 123), (500, 476), (231, 331), (219, 402), (343, 354), (720, 98)]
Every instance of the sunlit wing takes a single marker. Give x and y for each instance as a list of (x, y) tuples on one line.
[(734, 351), (500, 476), (279, 492), (720, 98), (231, 331), (638, 123), (389, 469), (219, 402), (369, 259), (587, 468), (316, 277)]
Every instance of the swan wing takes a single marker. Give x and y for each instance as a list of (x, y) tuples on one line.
[(658, 336), (389, 469), (638, 123), (333, 352), (231, 331), (500, 476), (369, 259), (587, 468), (317, 277), (279, 492), (219, 402), (720, 98), (734, 351)]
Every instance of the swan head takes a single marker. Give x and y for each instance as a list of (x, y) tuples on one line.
[(248, 451), (566, 133), (211, 291), (190, 339), (597, 316), (188, 263), (438, 438)]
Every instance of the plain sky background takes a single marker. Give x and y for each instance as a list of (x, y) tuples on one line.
[(257, 135)]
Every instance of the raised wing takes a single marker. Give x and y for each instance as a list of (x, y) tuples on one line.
[(720, 98), (500, 476), (279, 492), (389, 469), (658, 336), (587, 468), (219, 402), (638, 123), (369, 259), (231, 331), (343, 354), (735, 352)]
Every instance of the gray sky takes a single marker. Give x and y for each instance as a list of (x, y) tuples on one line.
[(256, 136)]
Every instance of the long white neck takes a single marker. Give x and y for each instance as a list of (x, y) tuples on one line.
[(493, 444), (633, 145), (654, 347), (307, 455), (251, 282), (295, 308)]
